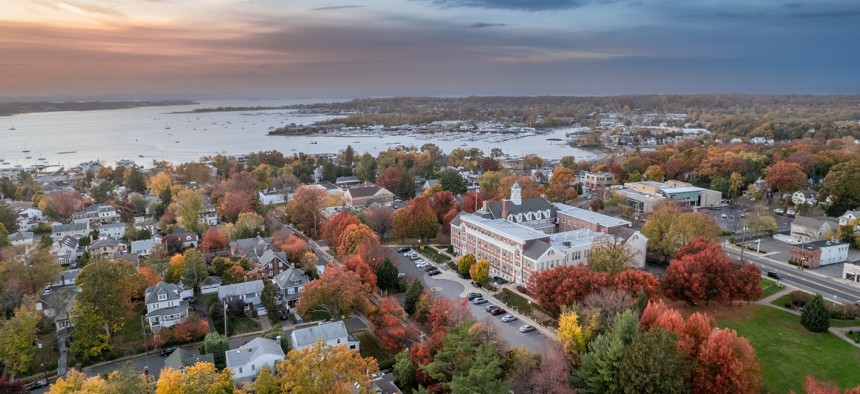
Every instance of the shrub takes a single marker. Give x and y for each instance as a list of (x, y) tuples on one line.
[(815, 316)]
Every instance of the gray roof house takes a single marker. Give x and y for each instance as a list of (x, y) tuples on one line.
[(808, 229), (182, 358), (164, 305), (247, 360), (249, 292), (333, 334), (290, 282)]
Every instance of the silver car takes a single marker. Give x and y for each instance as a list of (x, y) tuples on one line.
[(508, 318), (527, 328)]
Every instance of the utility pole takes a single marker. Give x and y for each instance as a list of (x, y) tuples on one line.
[(225, 320), (146, 347)]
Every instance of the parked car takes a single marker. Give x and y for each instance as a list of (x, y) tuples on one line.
[(429, 267), (434, 272), (724, 216), (402, 250), (508, 318), (479, 301), (498, 311), (415, 257), (527, 328), (421, 264), (472, 296), (37, 385), (774, 274), (476, 284), (489, 308), (168, 351), (401, 275)]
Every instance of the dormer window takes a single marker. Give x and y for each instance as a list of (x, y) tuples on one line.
[(162, 297)]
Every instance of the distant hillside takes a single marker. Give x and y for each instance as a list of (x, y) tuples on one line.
[(14, 108)]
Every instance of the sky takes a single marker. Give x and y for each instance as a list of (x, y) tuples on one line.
[(341, 48)]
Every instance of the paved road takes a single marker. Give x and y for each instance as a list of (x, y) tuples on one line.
[(830, 288), (446, 285)]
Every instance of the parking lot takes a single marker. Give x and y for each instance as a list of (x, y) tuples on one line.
[(732, 219), (449, 285)]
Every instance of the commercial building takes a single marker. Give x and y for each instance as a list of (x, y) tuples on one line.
[(851, 273), (644, 196), (818, 253), (597, 180)]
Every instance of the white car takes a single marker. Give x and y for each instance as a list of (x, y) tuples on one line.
[(421, 264), (508, 318)]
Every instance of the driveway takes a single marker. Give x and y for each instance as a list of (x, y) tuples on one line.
[(449, 285)]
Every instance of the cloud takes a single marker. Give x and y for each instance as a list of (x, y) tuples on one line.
[(336, 7), (827, 14), (481, 25), (516, 5)]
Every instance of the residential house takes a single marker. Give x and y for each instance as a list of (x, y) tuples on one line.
[(272, 262), (804, 197), (272, 196), (332, 333), (210, 285), (67, 250), (98, 213), (819, 253), (181, 359), (144, 247), (248, 292), (74, 229), (22, 238), (105, 247), (130, 258), (248, 359), (28, 218), (112, 230), (290, 283), (164, 305), (347, 181), (56, 304), (850, 216), (367, 194), (209, 215), (429, 184), (269, 259), (188, 239), (807, 229)]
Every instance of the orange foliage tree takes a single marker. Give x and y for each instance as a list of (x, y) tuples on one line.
[(388, 325), (213, 241), (338, 292), (565, 285), (365, 273)]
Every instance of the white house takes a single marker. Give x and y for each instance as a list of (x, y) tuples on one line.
[(272, 196), (22, 238), (804, 197), (164, 305), (144, 247), (74, 229), (112, 230), (851, 273), (249, 292), (247, 360), (29, 218), (97, 213), (210, 285), (332, 334), (848, 216), (808, 229)]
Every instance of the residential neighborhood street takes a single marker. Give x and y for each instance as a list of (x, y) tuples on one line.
[(449, 284)]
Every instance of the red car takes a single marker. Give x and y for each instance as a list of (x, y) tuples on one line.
[(497, 311)]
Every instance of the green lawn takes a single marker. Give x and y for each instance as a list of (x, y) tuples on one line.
[(781, 301), (237, 325), (768, 288), (370, 346), (434, 255), (320, 315), (854, 335), (788, 352)]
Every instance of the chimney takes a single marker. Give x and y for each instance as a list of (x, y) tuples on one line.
[(484, 206), (278, 340), (505, 209)]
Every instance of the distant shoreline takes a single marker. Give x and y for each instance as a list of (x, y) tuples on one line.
[(20, 108)]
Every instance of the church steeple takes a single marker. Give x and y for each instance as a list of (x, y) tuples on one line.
[(516, 197)]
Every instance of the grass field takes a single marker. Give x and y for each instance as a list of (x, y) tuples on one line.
[(370, 347), (788, 352), (768, 288), (434, 255), (781, 301)]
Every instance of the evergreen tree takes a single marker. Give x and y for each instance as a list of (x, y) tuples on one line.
[(386, 276), (452, 182), (654, 365), (815, 316), (406, 187), (216, 344), (269, 299), (412, 296), (404, 371)]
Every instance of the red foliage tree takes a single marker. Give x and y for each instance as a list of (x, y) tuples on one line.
[(378, 218), (233, 203), (390, 178), (785, 176), (565, 285), (553, 374), (352, 237), (442, 202), (697, 245), (446, 221), (293, 246), (370, 250), (695, 333), (61, 205), (445, 313), (726, 364), (191, 328), (214, 240), (472, 201), (489, 164), (335, 226), (365, 273), (423, 221), (813, 386), (747, 283), (422, 354), (634, 281), (651, 314), (243, 182), (702, 276), (149, 276), (388, 325)]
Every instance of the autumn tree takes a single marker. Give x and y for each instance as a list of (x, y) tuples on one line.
[(560, 188), (202, 377), (699, 277), (633, 281), (187, 204), (480, 271), (292, 246), (194, 269), (323, 369), (109, 286), (565, 286), (472, 201), (61, 205), (160, 182), (423, 223), (335, 226), (232, 203), (726, 364), (349, 241), (379, 219), (528, 187), (747, 283), (77, 382), (89, 339), (654, 173), (785, 176), (446, 313), (400, 222), (18, 336), (572, 333), (364, 272), (305, 209), (840, 187), (25, 275), (465, 264), (610, 255), (388, 325), (669, 228), (214, 241), (390, 178), (338, 292)]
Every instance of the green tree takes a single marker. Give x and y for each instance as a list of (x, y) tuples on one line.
[(610, 255), (412, 296), (18, 338), (598, 372), (654, 365), (386, 276), (216, 345), (8, 217), (194, 269), (406, 186), (466, 365), (485, 374), (89, 339), (267, 382), (452, 182), (404, 372), (187, 204), (490, 182), (4, 236), (269, 299), (815, 316), (840, 185), (465, 264), (108, 286), (366, 169), (135, 180)]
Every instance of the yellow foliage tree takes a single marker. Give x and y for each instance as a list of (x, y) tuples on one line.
[(200, 378), (175, 268), (480, 271), (322, 369), (572, 334), (75, 382), (160, 182)]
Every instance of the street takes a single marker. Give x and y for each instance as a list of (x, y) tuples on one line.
[(448, 284), (828, 287)]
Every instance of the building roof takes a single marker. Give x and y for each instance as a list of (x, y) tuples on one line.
[(21, 236), (591, 216), (856, 214), (323, 332), (142, 245), (172, 291), (816, 223), (509, 229), (105, 243), (527, 205), (112, 225), (820, 244), (365, 191), (210, 281), (173, 310), (576, 238), (127, 257), (536, 249), (74, 226), (258, 347), (286, 278), (254, 286), (182, 358)]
